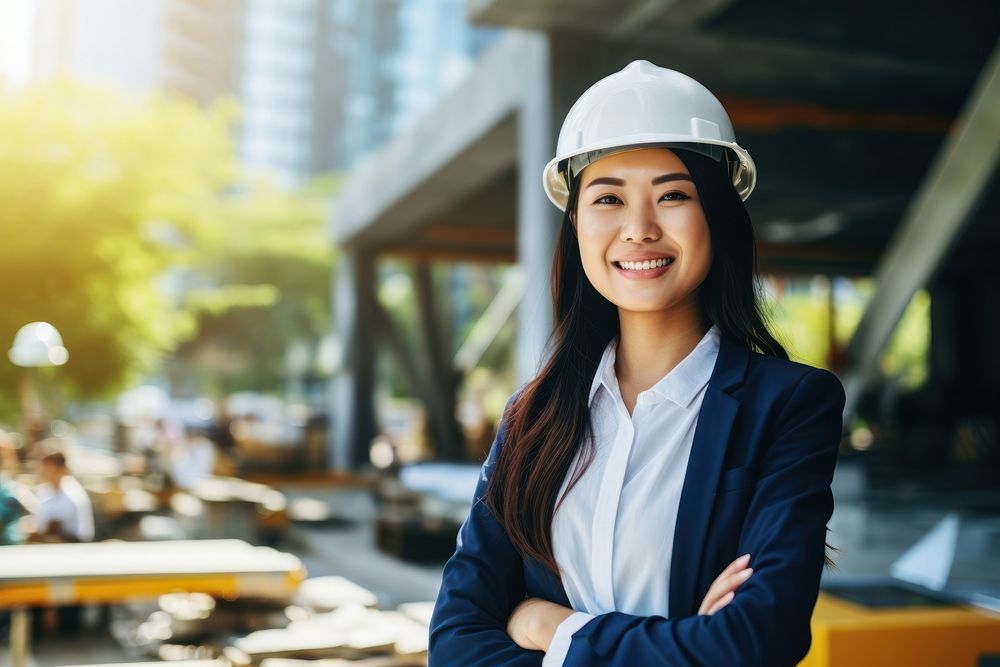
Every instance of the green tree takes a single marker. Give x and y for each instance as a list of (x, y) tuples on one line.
[(101, 192), (267, 273)]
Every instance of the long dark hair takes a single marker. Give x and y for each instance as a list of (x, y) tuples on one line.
[(549, 420)]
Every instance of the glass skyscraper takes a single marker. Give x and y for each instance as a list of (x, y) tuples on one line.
[(321, 82)]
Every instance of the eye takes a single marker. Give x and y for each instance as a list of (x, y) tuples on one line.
[(607, 199), (675, 195)]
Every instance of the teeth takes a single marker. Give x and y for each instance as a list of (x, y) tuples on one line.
[(648, 264)]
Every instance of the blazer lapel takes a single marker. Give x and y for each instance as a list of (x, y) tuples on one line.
[(708, 449)]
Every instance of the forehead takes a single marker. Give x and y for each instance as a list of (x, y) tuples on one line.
[(661, 160)]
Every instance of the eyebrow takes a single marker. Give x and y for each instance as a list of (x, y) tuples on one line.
[(665, 178)]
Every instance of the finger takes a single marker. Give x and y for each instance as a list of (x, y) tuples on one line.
[(728, 585), (727, 581), (736, 565), (722, 598), (733, 582), (719, 590), (726, 599), (737, 580)]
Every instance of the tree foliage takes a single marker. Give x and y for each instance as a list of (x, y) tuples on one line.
[(91, 179), (268, 274), (126, 223)]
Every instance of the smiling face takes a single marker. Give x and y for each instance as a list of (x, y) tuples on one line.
[(644, 240)]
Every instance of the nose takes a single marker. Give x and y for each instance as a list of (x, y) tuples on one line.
[(640, 225)]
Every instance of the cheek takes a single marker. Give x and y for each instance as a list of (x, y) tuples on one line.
[(698, 244), (592, 254), (705, 255)]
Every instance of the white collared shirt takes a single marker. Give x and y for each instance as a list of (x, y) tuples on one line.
[(613, 535), (70, 506)]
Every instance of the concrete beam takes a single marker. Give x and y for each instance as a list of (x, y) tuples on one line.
[(467, 141), (621, 19), (930, 226), (670, 33), (758, 77)]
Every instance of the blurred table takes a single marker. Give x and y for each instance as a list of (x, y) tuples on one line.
[(63, 574)]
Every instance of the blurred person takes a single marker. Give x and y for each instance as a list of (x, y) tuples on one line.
[(192, 458), (221, 430), (144, 436), (12, 507), (64, 512), (16, 502), (668, 439), (35, 432)]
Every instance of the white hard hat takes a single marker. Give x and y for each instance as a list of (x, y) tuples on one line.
[(38, 344), (639, 106)]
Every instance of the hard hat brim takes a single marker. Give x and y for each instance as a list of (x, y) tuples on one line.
[(557, 190)]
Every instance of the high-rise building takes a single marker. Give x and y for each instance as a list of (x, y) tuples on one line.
[(378, 65), (187, 46), (321, 82), (276, 86)]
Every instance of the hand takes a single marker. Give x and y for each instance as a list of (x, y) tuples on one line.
[(723, 589), (534, 621)]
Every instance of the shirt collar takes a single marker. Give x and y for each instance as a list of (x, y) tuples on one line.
[(680, 385), (605, 372)]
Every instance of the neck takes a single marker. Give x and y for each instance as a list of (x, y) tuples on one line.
[(652, 343)]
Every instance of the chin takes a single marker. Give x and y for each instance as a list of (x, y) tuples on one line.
[(644, 306)]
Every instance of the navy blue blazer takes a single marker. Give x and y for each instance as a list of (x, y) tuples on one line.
[(757, 481)]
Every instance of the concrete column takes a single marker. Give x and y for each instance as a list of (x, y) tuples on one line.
[(449, 442), (537, 219), (562, 67), (352, 414)]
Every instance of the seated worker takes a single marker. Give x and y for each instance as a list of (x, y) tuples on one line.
[(192, 458), (64, 512)]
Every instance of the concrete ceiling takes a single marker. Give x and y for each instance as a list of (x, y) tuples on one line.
[(842, 105)]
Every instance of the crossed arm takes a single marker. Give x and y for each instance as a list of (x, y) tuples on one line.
[(767, 623)]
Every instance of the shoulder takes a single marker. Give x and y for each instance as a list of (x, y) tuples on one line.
[(75, 491), (763, 368), (782, 381)]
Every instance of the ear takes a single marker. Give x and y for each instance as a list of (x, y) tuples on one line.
[(572, 219)]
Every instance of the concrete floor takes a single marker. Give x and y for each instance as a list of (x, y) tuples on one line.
[(349, 551), (873, 527)]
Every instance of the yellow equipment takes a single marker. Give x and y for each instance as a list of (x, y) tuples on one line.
[(883, 625)]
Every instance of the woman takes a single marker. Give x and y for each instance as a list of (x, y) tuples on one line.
[(668, 443)]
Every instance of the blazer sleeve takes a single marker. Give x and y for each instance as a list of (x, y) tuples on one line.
[(767, 622), (482, 583)]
